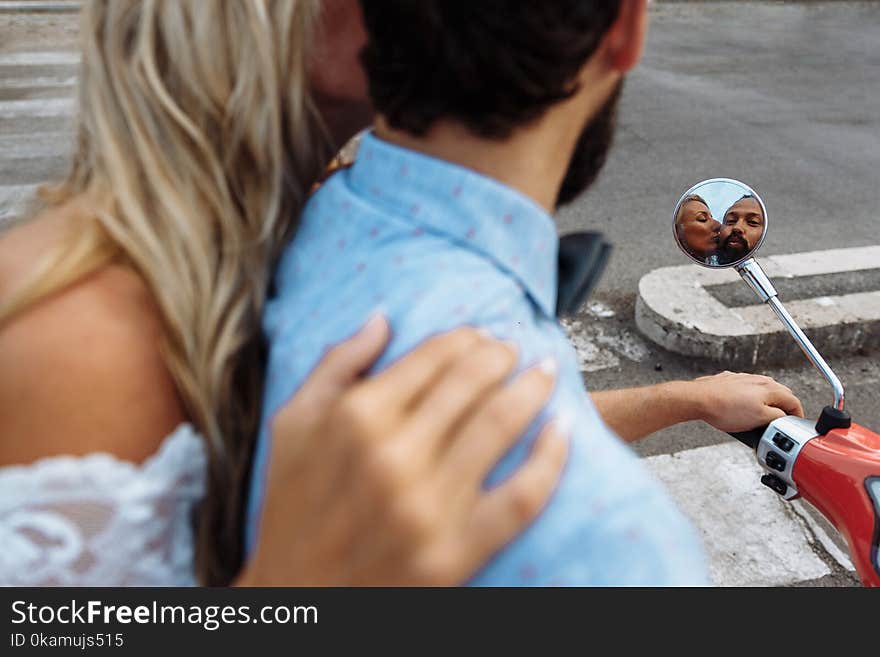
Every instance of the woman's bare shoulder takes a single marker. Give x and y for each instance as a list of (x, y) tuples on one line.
[(81, 371), (24, 244)]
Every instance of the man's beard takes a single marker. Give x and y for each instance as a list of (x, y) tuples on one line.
[(735, 252), (591, 150)]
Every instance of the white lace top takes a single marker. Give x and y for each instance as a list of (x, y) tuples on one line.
[(100, 521)]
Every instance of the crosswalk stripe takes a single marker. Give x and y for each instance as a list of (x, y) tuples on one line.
[(36, 108), (33, 6), (62, 83), (42, 58), (44, 144), (14, 199), (752, 537)]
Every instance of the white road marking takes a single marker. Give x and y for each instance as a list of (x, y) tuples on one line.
[(42, 144), (676, 310), (592, 357), (600, 310), (64, 83), (37, 108), (855, 308), (41, 58), (601, 345), (14, 199), (751, 539), (29, 6), (812, 263)]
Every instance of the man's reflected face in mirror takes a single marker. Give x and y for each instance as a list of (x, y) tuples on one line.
[(742, 229), (697, 230)]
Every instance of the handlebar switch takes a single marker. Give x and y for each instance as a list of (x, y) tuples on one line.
[(775, 483), (775, 461), (778, 452), (783, 442)]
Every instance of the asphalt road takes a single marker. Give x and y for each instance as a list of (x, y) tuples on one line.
[(781, 96)]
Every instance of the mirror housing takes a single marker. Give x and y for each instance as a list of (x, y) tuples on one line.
[(719, 223)]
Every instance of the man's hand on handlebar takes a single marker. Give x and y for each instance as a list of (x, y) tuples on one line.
[(733, 401), (728, 401)]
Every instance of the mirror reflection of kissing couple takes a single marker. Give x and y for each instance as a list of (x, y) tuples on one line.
[(714, 242)]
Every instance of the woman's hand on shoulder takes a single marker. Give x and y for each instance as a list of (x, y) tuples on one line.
[(379, 481)]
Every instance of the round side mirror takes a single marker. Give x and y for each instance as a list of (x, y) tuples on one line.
[(719, 223)]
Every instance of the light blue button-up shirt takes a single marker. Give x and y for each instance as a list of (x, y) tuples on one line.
[(435, 246)]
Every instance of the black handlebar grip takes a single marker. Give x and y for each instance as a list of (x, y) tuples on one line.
[(750, 438)]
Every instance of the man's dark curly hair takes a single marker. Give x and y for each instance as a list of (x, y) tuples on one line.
[(492, 65)]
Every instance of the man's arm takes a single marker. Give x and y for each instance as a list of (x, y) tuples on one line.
[(727, 401)]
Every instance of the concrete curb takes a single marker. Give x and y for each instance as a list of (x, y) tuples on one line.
[(675, 310)]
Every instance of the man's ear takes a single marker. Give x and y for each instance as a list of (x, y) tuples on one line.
[(625, 39)]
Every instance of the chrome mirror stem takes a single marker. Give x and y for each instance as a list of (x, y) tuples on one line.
[(756, 279)]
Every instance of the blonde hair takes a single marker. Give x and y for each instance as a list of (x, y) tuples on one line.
[(197, 142), (679, 215)]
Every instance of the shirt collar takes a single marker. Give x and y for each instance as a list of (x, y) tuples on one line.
[(475, 211)]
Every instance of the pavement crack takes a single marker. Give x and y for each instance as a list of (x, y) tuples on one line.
[(818, 545)]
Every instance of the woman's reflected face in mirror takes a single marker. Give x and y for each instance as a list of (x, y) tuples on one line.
[(697, 230)]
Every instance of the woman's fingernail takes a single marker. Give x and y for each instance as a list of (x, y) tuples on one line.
[(376, 320), (548, 366)]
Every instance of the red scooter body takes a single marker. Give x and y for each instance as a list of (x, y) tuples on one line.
[(839, 474)]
